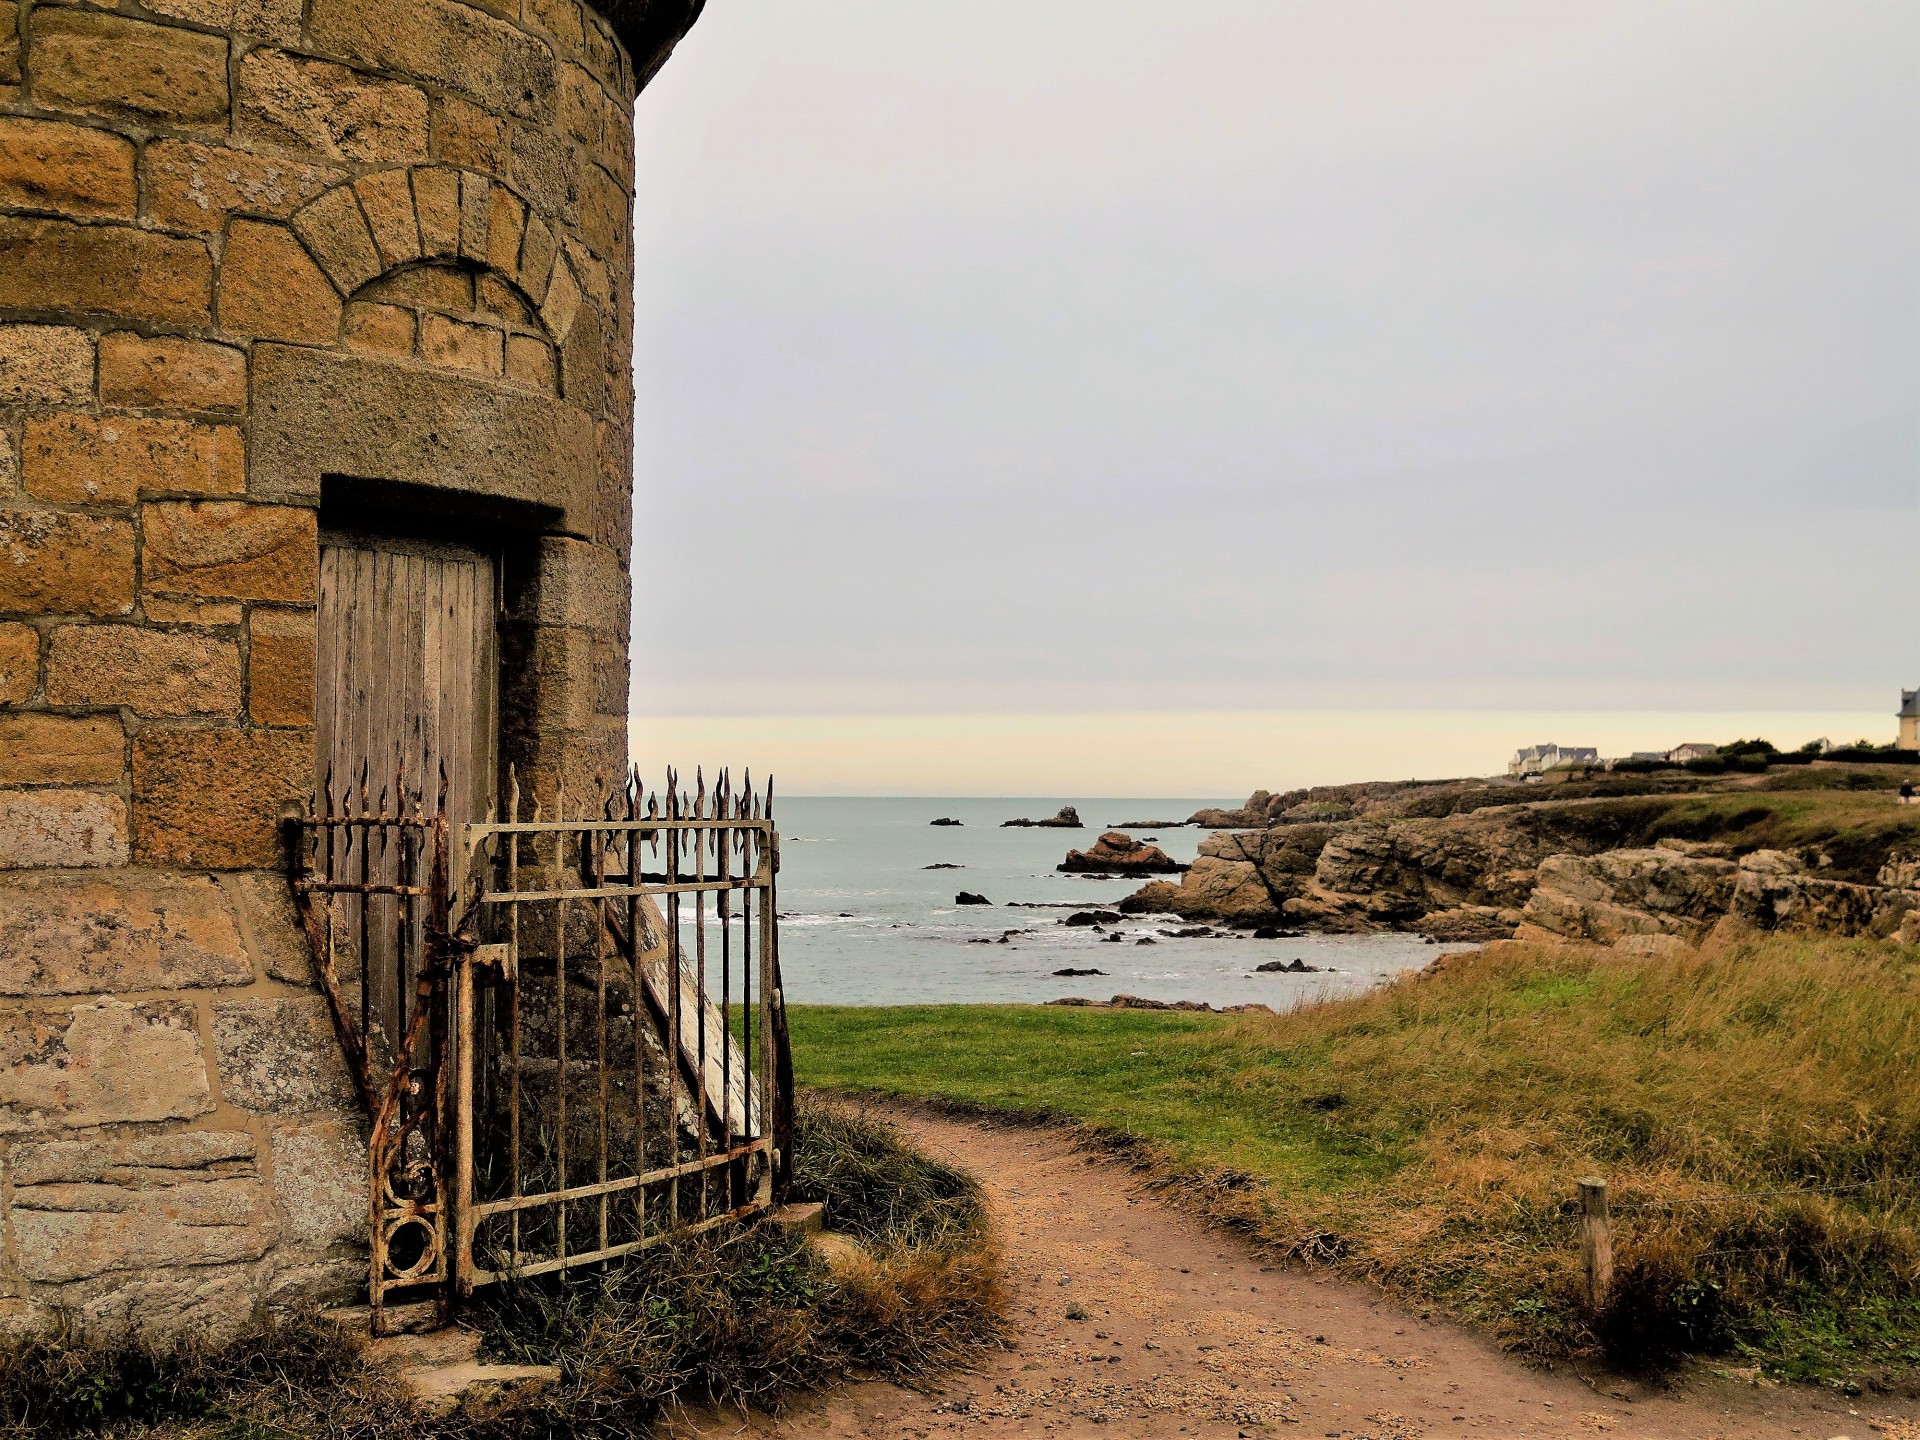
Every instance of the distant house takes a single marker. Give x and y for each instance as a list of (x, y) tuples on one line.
[(1658, 756), (1680, 754), (1538, 759), (1909, 717)]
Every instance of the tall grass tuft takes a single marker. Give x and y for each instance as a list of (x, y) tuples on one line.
[(1755, 1110), (753, 1317)]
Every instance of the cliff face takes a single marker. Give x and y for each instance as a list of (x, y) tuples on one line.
[(1358, 874), (1595, 870)]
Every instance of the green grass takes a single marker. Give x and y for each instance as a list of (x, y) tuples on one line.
[(1164, 1077), (1428, 1136)]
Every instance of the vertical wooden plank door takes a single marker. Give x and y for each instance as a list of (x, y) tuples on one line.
[(408, 683)]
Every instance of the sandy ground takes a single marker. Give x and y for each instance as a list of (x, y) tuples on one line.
[(1132, 1319)]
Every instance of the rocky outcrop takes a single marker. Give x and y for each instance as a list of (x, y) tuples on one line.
[(1435, 860), (1117, 854), (1675, 889), (1067, 818), (1317, 804), (1261, 810), (1607, 897), (1360, 875), (1239, 879)]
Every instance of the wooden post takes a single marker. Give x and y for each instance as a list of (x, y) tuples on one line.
[(1596, 1240)]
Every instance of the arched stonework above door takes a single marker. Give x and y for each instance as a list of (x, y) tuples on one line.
[(447, 303)]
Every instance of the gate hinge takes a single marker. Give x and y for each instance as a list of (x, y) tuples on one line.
[(496, 957)]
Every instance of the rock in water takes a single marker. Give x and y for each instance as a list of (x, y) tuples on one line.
[(1067, 819), (967, 897), (1295, 966), (1070, 972), (1117, 854), (1092, 917)]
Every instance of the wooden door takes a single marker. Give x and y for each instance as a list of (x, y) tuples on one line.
[(408, 668), (408, 672)]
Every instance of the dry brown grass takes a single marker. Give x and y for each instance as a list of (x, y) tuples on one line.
[(748, 1316), (1700, 1089)]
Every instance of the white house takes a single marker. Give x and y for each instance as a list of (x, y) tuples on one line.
[(1680, 754), (1538, 759), (1909, 717)]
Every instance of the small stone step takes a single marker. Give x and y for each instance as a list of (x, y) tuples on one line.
[(444, 1371), (401, 1319), (446, 1388), (809, 1218)]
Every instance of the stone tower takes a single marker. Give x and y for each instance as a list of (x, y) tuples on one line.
[(296, 296)]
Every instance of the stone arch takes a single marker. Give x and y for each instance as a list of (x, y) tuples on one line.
[(400, 245)]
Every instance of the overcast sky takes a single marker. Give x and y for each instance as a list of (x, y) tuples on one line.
[(1066, 355)]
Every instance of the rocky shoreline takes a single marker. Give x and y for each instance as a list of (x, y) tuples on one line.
[(1115, 853), (1652, 867)]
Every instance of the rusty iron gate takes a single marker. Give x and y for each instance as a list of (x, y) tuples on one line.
[(568, 1030)]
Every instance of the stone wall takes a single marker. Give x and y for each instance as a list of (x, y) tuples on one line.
[(247, 247)]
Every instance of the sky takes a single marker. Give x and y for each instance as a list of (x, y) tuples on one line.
[(1205, 381)]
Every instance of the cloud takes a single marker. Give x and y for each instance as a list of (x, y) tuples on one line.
[(1046, 356)]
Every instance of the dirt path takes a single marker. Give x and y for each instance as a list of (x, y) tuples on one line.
[(1186, 1333)]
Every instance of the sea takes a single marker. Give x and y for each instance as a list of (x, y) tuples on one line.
[(866, 918)]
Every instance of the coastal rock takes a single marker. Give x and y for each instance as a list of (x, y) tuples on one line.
[(1775, 892), (1399, 870), (1468, 924), (1257, 813), (943, 866), (1151, 825), (1295, 966), (1901, 872), (1068, 818), (1477, 862), (1239, 879), (967, 897), (1070, 972), (946, 820), (1652, 891), (1157, 897), (1117, 854), (1668, 890), (1318, 804), (1092, 917)]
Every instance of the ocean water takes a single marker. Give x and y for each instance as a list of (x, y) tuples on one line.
[(865, 922)]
